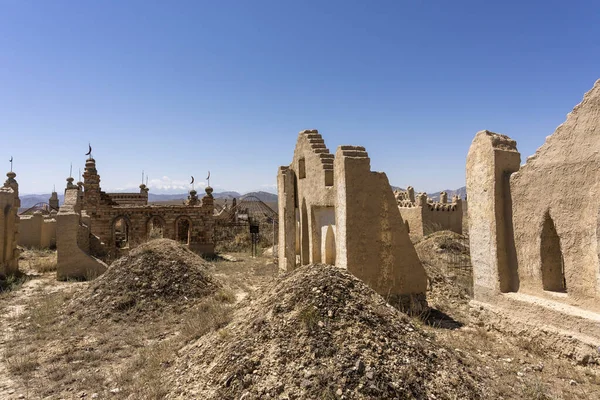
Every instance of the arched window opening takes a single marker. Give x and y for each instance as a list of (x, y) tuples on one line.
[(553, 267), (330, 246), (121, 233), (304, 236), (183, 230), (302, 168), (155, 228)]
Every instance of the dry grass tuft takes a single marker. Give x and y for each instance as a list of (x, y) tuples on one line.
[(210, 315), (45, 264)]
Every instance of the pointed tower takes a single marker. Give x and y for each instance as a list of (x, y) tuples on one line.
[(91, 186), (53, 201)]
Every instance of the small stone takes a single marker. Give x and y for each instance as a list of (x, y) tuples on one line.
[(115, 390), (370, 375), (520, 374), (572, 382), (94, 395), (360, 366), (339, 392)]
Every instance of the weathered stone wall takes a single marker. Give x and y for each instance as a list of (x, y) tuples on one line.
[(333, 209), (104, 210), (9, 225), (37, 231), (72, 242), (130, 199)]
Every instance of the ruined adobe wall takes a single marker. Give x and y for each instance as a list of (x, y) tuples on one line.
[(72, 242), (286, 195), (315, 192), (372, 238), (413, 219), (423, 216), (37, 231), (560, 185), (9, 225), (138, 218), (442, 216), (492, 158), (130, 199)]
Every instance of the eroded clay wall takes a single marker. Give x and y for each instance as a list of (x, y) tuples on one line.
[(438, 217), (9, 226), (492, 158), (413, 219), (72, 243), (560, 187), (375, 243), (37, 231), (287, 219), (314, 182)]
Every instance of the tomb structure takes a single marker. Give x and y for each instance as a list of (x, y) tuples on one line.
[(424, 216), (9, 225), (333, 209), (535, 229), (75, 242), (38, 230), (118, 222), (122, 221)]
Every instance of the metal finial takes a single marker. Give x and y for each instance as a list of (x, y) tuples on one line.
[(89, 153), (71, 171), (11, 162), (208, 179)]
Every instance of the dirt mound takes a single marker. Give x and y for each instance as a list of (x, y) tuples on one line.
[(156, 275), (446, 258), (320, 333)]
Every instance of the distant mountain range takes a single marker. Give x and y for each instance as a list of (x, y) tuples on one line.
[(29, 200), (462, 192)]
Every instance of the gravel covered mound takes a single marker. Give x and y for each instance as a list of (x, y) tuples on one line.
[(320, 333), (447, 262), (156, 275)]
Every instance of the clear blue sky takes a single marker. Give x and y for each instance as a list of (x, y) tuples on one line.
[(177, 88)]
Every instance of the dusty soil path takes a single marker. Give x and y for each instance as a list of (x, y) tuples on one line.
[(12, 305)]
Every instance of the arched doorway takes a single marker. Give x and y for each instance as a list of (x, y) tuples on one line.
[(553, 268), (155, 227), (120, 231), (304, 254), (183, 230), (330, 246)]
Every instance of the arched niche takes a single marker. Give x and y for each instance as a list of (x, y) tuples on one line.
[(552, 260)]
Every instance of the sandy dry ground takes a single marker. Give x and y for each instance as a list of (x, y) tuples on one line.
[(127, 360)]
